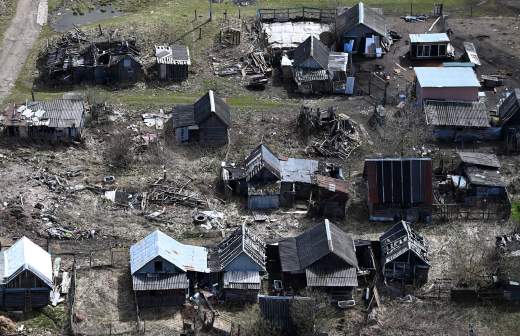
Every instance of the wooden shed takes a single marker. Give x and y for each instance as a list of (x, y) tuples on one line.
[(206, 122), (163, 270), (25, 276), (430, 46), (173, 62), (399, 188)]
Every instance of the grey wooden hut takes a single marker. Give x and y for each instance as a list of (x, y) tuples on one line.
[(206, 122), (173, 62), (25, 276)]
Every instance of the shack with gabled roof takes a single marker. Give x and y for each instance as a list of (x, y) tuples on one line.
[(404, 255), (310, 66), (163, 270), (362, 30), (25, 276), (173, 61), (322, 257), (207, 121), (240, 259)]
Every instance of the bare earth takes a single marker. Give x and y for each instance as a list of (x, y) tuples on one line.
[(17, 44)]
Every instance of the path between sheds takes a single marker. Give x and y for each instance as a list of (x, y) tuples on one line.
[(18, 41)]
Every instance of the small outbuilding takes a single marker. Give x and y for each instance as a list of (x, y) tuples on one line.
[(25, 276), (454, 84), (310, 66), (173, 61), (508, 275), (53, 120), (362, 30), (241, 262), (399, 188), (509, 114), (206, 122), (404, 255), (322, 257), (163, 270), (430, 46)]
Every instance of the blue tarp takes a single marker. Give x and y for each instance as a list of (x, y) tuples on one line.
[(347, 47)]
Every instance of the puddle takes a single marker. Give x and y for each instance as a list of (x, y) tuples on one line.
[(64, 19)]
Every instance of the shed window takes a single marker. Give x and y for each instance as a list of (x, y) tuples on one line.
[(158, 265), (434, 51), (127, 63), (442, 50), (420, 51)]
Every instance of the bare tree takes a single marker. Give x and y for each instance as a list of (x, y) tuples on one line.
[(312, 317), (119, 153)]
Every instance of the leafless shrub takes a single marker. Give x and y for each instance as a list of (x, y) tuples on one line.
[(311, 318), (119, 153)]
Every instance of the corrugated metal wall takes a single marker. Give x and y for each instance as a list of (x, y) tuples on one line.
[(263, 202)]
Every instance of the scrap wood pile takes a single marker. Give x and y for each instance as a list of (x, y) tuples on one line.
[(58, 182), (337, 133), (165, 192)]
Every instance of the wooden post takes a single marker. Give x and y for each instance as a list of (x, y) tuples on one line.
[(200, 33), (225, 15), (211, 10), (239, 16), (195, 17), (411, 7)]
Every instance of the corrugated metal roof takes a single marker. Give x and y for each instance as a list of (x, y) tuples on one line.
[(25, 255), (242, 240), (461, 114), (242, 280), (331, 184), (174, 54), (146, 282), (185, 257), (324, 239), (304, 75), (471, 52), (438, 77), (338, 61), (479, 159), (484, 177), (429, 38), (59, 113), (298, 170), (331, 277)]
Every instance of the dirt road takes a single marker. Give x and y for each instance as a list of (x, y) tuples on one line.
[(18, 41)]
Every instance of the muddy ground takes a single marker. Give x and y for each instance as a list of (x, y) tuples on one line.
[(29, 206)]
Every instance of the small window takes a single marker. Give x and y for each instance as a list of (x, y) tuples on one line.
[(127, 63), (420, 51), (426, 51), (442, 50), (434, 52), (158, 266)]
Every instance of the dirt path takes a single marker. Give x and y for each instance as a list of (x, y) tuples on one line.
[(18, 41)]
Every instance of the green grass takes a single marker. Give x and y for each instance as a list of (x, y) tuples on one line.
[(515, 211), (6, 16), (49, 318)]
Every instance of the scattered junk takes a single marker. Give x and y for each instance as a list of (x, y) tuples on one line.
[(26, 276), (450, 84), (341, 137), (323, 258), (173, 62), (205, 122), (78, 58), (431, 46), (54, 120), (508, 276), (277, 310), (155, 120), (163, 270), (404, 255), (285, 29), (414, 18), (362, 30), (399, 188), (472, 189), (509, 115), (240, 260), (470, 54), (270, 182), (231, 31)]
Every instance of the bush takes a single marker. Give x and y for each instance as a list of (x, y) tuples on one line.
[(119, 153)]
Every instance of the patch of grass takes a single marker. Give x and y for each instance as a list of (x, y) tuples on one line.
[(49, 318), (7, 10), (515, 211)]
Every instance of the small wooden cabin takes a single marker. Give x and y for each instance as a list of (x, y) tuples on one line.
[(430, 46), (163, 270), (25, 276), (241, 261), (206, 122), (173, 62)]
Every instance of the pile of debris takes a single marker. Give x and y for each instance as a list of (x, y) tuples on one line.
[(58, 183), (338, 130)]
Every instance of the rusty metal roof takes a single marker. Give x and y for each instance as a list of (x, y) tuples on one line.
[(331, 184), (185, 257)]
